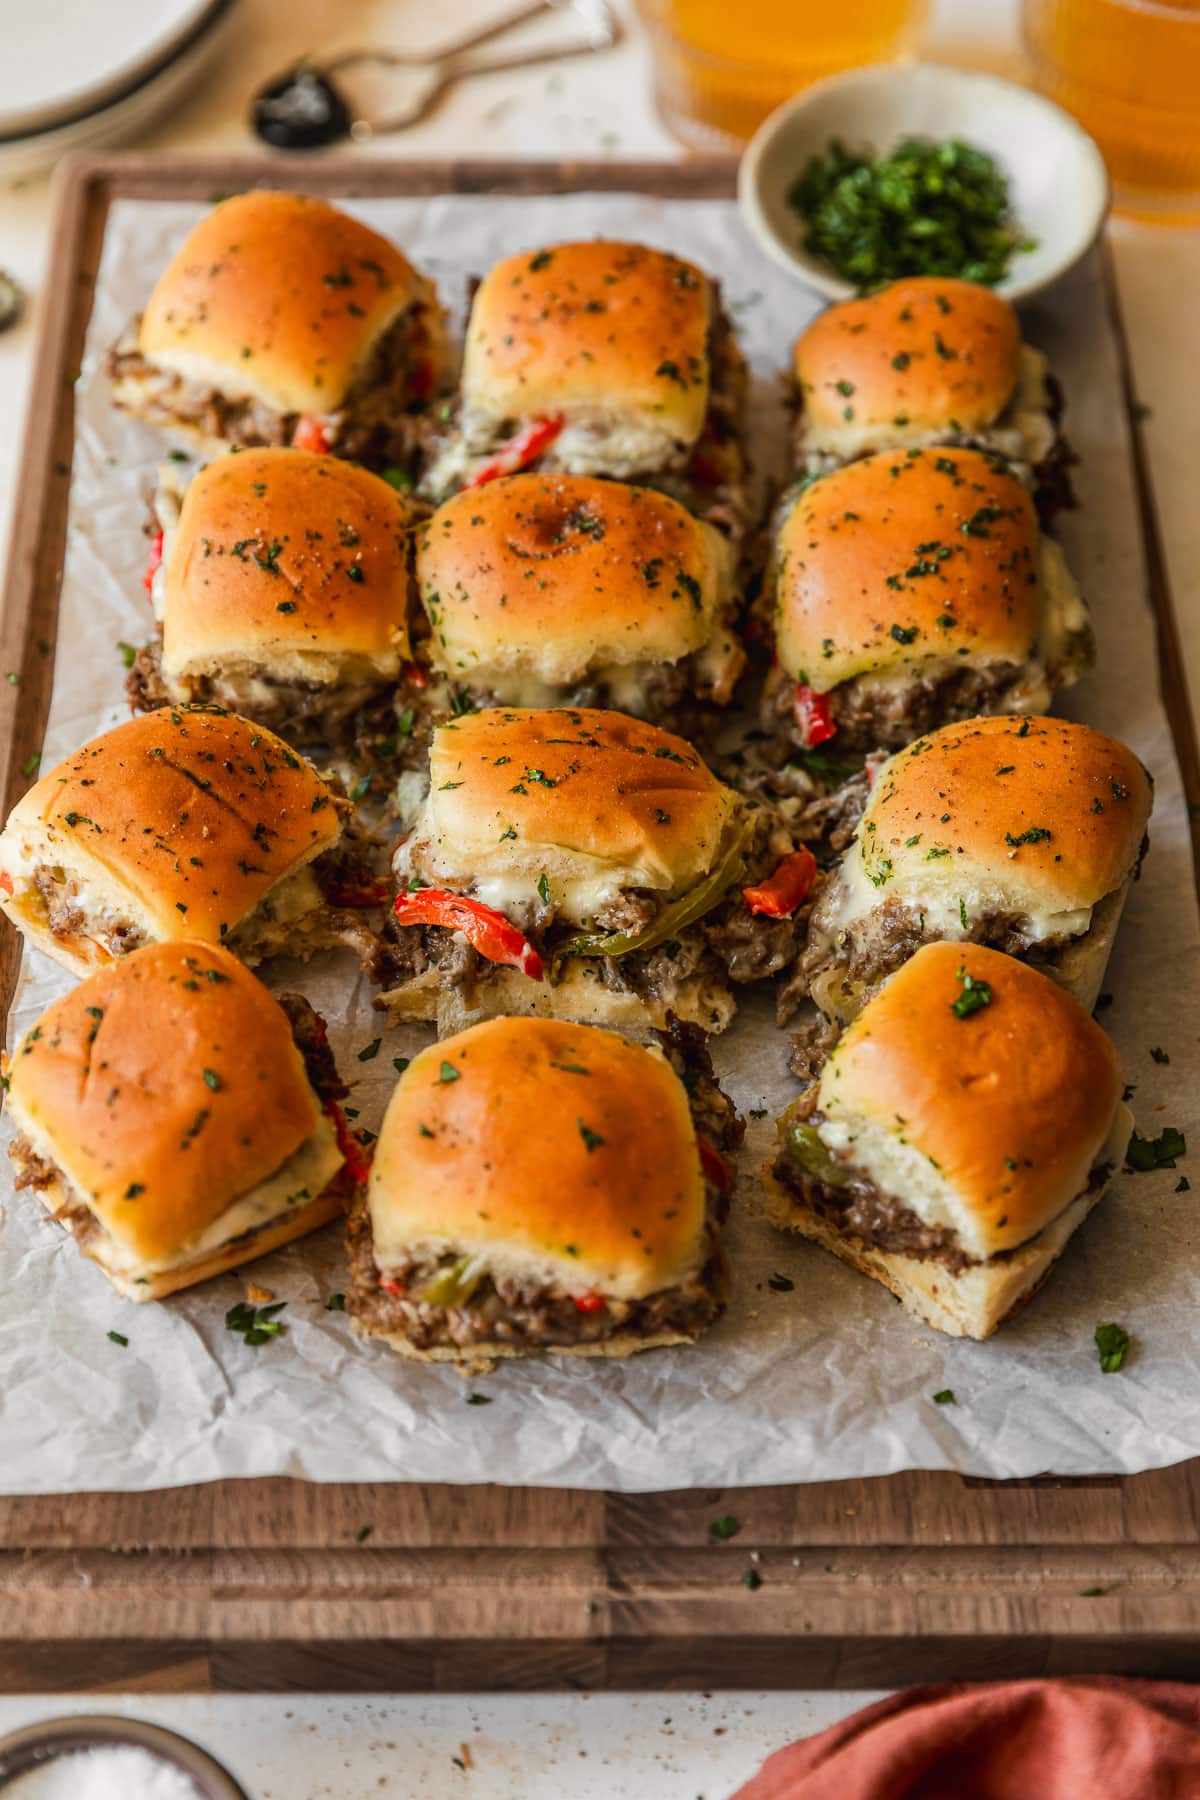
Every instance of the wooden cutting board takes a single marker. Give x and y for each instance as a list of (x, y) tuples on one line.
[(280, 1584)]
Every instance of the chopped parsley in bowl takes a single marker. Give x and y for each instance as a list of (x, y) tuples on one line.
[(926, 208)]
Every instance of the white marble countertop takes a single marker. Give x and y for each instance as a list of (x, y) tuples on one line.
[(571, 1747), (506, 1747)]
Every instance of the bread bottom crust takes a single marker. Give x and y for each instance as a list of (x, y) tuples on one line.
[(479, 1359), (971, 1304), (329, 1205)]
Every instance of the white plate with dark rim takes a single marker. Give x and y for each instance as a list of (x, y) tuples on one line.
[(1058, 185), (100, 88)]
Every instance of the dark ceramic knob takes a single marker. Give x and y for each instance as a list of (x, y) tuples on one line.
[(301, 110)]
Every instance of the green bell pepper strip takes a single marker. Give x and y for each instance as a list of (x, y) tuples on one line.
[(454, 1285), (679, 914)]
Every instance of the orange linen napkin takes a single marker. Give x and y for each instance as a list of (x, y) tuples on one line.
[(1084, 1738)]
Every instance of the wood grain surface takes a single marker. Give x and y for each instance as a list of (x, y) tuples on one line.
[(286, 1585)]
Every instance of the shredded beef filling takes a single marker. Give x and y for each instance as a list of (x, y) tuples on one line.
[(855, 1207), (68, 921), (728, 942), (869, 716), (525, 1315), (312, 1041), (304, 712), (868, 951), (38, 1172), (381, 422)]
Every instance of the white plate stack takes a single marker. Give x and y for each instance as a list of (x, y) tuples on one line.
[(85, 74)]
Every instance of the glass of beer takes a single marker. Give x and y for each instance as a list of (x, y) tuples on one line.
[(1129, 71), (720, 66)]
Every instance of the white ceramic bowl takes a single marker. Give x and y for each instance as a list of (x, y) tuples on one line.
[(1058, 185)]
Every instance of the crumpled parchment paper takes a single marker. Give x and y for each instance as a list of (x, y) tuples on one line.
[(828, 1379)]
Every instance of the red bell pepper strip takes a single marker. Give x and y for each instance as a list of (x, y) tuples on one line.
[(414, 674), (520, 451), (153, 561), (310, 434), (420, 378), (780, 895), (396, 1289), (715, 1168), (358, 1166), (591, 1302), (6, 882), (705, 470), (485, 929), (812, 716)]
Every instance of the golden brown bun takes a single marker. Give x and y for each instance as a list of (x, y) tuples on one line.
[(111, 1084), (278, 298), (927, 351), (566, 790), (1029, 1079), (589, 326), (1050, 812), (183, 819), (551, 1147), (879, 550), (559, 575), (260, 566), (971, 1302)]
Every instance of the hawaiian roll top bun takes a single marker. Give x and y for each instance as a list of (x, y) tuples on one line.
[(983, 1118), (560, 1153), (1036, 817), (291, 560), (925, 354), (164, 1086), (557, 576), (277, 298), (907, 561), (181, 821), (589, 802), (610, 331)]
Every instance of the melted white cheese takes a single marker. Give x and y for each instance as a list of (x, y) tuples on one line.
[(898, 1168), (305, 1175)]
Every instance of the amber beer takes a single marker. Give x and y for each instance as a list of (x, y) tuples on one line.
[(720, 66), (1129, 70)]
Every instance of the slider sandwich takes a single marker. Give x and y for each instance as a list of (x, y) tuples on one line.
[(908, 590), (586, 865), (602, 359), (964, 1126), (281, 320), (282, 593), (1023, 834), (929, 360), (186, 823), (178, 1120), (539, 589), (544, 1187)]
